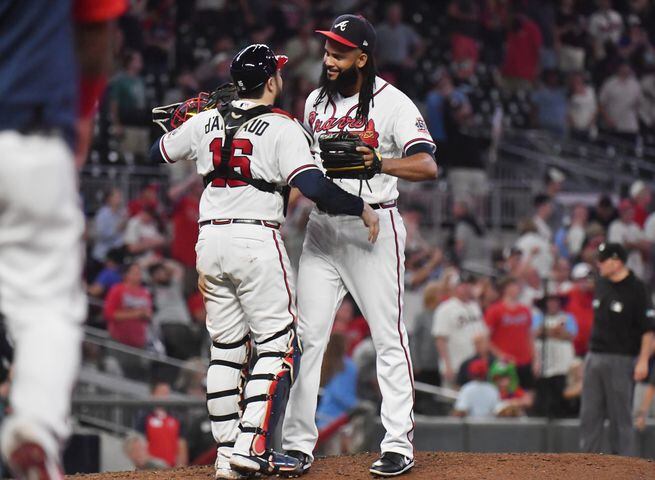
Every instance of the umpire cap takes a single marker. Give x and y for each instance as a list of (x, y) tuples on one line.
[(253, 65)]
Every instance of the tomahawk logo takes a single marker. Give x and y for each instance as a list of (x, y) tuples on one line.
[(342, 25)]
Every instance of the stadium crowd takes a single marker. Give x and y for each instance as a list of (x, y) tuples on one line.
[(503, 324)]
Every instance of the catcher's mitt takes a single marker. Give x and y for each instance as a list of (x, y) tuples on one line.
[(341, 159), (169, 117)]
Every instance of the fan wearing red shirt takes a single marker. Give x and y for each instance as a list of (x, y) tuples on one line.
[(128, 309), (510, 330), (523, 45), (185, 198), (579, 304), (164, 431)]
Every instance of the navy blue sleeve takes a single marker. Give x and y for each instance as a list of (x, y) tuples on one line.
[(421, 147), (155, 153), (328, 197)]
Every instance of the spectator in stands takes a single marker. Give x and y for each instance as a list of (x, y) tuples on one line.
[(398, 49), (478, 398), (456, 322), (147, 198), (510, 327), (554, 331), (535, 250), (464, 22), (635, 46), (570, 37), (135, 447), (550, 105), (482, 352), (553, 181), (200, 336), (471, 250), (641, 196), (620, 99), (604, 213), (164, 431), (108, 225), (515, 400), (583, 108), (543, 212), (625, 231), (522, 49), (305, 53), (576, 231), (186, 86), (579, 304), (647, 111), (128, 309), (142, 236), (494, 19), (109, 276), (339, 382), (159, 27), (449, 116), (185, 199), (559, 280), (129, 105), (424, 354), (171, 314), (605, 27)]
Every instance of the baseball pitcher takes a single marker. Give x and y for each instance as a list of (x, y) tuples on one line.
[(368, 134)]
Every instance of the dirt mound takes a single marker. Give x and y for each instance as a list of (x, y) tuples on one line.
[(437, 466)]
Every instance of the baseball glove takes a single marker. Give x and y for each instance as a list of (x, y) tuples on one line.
[(341, 159), (169, 117)]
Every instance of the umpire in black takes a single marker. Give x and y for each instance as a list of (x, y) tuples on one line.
[(621, 343)]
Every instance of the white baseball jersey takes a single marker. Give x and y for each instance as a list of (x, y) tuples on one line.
[(394, 124), (272, 147)]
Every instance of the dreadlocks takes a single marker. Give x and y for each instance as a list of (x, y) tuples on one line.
[(346, 79)]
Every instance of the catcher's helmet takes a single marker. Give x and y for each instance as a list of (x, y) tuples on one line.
[(253, 65)]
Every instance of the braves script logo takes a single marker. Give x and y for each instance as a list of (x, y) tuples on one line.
[(342, 25), (365, 129)]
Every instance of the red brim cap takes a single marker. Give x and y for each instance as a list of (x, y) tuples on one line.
[(336, 38), (281, 60)]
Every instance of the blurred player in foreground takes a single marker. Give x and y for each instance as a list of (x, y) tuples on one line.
[(48, 99)]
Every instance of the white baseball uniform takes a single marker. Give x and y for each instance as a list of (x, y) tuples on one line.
[(337, 258), (245, 274), (41, 293)]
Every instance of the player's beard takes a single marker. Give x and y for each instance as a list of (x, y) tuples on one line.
[(345, 80)]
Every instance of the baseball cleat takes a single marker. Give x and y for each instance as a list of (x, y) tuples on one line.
[(270, 463), (391, 464), (30, 462), (304, 460)]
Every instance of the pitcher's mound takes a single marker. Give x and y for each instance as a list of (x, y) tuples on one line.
[(446, 466)]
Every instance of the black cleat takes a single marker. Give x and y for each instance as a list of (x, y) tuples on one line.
[(270, 463), (391, 464), (304, 460)]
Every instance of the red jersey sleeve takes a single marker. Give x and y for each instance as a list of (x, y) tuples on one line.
[(491, 317), (86, 11), (112, 302)]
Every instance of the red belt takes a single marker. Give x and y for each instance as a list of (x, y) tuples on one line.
[(247, 221)]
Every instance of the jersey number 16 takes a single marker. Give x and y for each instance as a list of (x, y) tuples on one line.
[(240, 163)]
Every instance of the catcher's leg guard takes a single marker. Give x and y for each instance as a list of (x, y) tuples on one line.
[(225, 379), (266, 395)]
